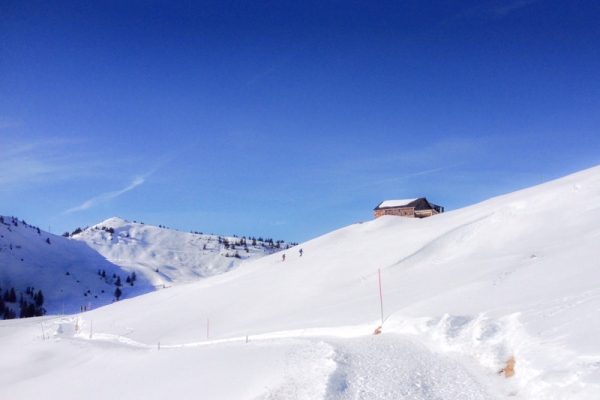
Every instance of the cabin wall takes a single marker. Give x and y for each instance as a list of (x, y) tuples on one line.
[(425, 213), (418, 208), (401, 212)]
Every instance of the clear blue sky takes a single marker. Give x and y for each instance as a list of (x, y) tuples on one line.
[(287, 119)]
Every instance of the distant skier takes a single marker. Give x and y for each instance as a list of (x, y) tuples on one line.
[(300, 252), (283, 257)]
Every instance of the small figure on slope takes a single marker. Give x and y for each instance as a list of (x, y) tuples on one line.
[(300, 252), (283, 257)]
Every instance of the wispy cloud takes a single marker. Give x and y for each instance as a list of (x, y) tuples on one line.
[(9, 123), (508, 7), (407, 162), (39, 161), (105, 197), (411, 175), (490, 9)]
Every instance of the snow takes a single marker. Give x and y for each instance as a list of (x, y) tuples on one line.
[(179, 257), (395, 203), (64, 270), (463, 292)]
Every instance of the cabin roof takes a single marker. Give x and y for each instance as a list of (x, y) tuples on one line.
[(396, 203)]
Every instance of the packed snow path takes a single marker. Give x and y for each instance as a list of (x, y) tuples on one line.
[(292, 365), (390, 366)]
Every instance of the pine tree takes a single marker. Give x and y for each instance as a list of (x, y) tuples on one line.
[(118, 282), (39, 300), (27, 310), (118, 293), (13, 296), (9, 314)]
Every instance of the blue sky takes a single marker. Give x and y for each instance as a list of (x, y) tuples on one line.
[(287, 119)]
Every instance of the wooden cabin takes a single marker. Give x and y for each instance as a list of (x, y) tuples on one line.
[(409, 208)]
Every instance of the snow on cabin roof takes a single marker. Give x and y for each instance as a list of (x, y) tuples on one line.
[(395, 203)]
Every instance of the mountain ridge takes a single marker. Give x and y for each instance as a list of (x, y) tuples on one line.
[(69, 269)]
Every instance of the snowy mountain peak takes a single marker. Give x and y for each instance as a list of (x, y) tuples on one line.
[(167, 256), (114, 222)]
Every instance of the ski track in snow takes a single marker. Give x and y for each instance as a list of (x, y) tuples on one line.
[(331, 363), (390, 366)]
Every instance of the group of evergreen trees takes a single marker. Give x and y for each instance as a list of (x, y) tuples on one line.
[(79, 230), (255, 242), (236, 255), (15, 222), (116, 279), (75, 232), (28, 308)]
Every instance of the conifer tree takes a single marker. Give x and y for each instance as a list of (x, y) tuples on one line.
[(9, 314), (39, 299), (13, 296)]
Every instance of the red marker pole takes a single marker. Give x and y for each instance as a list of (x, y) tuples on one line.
[(380, 295)]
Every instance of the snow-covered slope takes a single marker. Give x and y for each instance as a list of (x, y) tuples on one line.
[(168, 257), (463, 292), (66, 271)]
